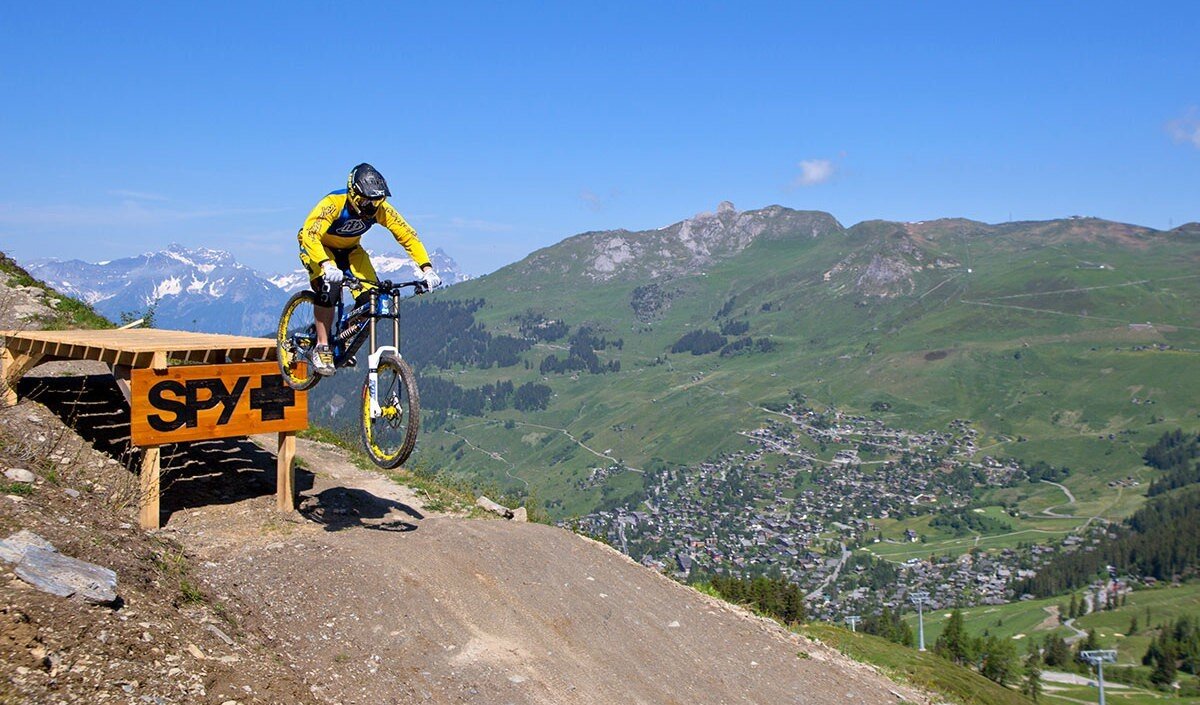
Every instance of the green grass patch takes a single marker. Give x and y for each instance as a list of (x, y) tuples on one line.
[(1029, 619), (1151, 608), (922, 670), (20, 489)]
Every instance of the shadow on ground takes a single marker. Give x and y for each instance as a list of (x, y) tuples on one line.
[(194, 474), (340, 508)]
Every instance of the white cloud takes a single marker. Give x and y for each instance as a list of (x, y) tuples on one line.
[(1186, 128), (596, 202), (814, 171)]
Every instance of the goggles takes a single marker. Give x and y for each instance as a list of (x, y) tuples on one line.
[(370, 203)]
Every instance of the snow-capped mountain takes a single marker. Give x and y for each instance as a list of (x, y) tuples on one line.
[(200, 289)]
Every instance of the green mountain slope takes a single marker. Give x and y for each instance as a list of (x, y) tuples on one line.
[(1069, 340)]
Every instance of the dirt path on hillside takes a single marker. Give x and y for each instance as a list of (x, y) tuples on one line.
[(372, 599)]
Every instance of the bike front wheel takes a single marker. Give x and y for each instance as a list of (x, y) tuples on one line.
[(294, 340), (390, 436)]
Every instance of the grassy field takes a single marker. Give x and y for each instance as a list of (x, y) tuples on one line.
[(1029, 619), (1151, 608), (1114, 693), (923, 670), (1028, 527), (1032, 619)]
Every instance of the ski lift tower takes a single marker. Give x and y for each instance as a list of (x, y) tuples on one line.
[(919, 598), (853, 620), (1098, 658)]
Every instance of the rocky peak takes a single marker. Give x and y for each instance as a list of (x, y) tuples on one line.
[(692, 244)]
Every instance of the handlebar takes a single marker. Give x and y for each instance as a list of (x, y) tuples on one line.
[(418, 285)]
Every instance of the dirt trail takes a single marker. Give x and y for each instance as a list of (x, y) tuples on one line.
[(372, 599)]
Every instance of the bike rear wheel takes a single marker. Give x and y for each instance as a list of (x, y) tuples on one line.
[(390, 437), (294, 340)]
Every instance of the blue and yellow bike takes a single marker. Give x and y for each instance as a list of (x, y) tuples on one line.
[(391, 407)]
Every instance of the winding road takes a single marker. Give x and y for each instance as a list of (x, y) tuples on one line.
[(1070, 500)]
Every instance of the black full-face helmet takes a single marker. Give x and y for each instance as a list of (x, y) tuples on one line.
[(366, 188)]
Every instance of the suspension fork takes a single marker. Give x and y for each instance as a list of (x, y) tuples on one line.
[(373, 362), (377, 352)]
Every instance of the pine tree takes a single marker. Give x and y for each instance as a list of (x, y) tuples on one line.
[(999, 660), (1057, 652), (952, 643), (1133, 626), (1032, 687), (1089, 643), (1165, 670)]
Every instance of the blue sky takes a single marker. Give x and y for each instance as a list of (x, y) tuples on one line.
[(505, 127)]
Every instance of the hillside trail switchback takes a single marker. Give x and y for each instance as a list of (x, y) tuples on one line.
[(371, 598)]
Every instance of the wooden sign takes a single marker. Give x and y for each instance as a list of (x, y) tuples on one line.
[(198, 402)]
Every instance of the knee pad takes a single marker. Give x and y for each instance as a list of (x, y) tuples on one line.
[(324, 291)]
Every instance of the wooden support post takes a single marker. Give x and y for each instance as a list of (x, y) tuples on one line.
[(121, 375), (12, 366), (285, 469), (148, 498), (8, 380)]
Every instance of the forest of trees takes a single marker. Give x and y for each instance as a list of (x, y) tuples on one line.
[(442, 395), (734, 328), (448, 335), (889, 625), (1161, 540), (1175, 453), (1041, 470), (773, 597), (582, 356), (1176, 648), (742, 346), (538, 327), (699, 342), (997, 657)]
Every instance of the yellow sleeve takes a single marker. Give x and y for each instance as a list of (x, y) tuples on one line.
[(390, 218), (317, 224)]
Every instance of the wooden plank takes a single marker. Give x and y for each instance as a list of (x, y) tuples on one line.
[(285, 471), (187, 403), (122, 373), (148, 498), (146, 347)]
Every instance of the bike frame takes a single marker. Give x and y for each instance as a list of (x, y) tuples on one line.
[(382, 304)]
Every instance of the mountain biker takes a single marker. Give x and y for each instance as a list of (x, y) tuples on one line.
[(329, 245)]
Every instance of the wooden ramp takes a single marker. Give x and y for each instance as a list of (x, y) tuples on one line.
[(180, 386), (138, 347)]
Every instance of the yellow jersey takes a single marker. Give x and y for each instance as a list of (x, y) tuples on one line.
[(333, 223)]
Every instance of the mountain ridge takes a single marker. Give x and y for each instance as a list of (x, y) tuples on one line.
[(201, 289)]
